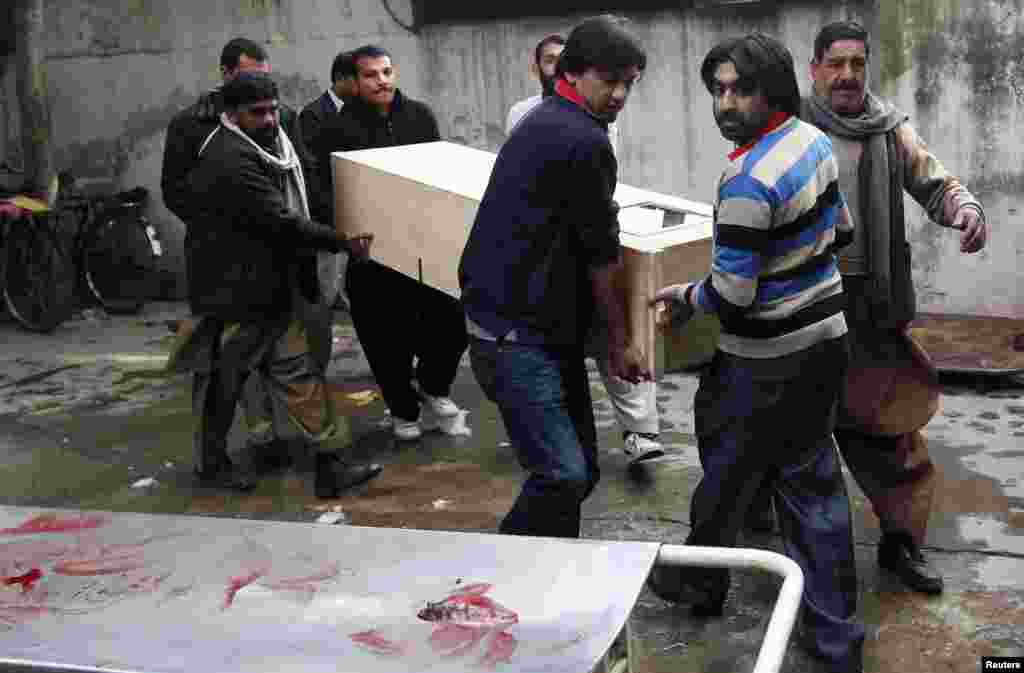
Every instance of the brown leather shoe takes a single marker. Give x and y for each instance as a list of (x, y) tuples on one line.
[(898, 554)]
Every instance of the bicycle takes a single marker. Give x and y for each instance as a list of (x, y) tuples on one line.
[(36, 270), (110, 259), (116, 249)]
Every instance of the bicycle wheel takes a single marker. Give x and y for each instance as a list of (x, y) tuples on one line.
[(38, 277), (118, 264)]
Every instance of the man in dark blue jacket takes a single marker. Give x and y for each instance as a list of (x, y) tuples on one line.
[(541, 257)]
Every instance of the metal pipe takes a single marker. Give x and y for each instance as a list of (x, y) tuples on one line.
[(780, 626)]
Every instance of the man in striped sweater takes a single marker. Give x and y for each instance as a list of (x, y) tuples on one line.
[(765, 409)]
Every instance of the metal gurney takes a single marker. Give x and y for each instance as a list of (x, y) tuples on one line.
[(98, 591)]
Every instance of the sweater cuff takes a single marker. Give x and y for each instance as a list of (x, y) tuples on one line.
[(976, 206)]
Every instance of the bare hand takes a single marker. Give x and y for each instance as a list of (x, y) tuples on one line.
[(628, 364), (359, 246), (974, 227), (674, 299)]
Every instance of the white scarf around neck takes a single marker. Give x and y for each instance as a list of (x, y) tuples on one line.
[(288, 163)]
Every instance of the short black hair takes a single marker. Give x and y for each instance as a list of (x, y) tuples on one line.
[(367, 51), (233, 51), (248, 87), (554, 38), (343, 66), (840, 30), (602, 43), (762, 64)]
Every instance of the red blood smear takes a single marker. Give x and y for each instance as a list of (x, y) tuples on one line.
[(376, 643), (27, 581), (500, 649), (478, 588), (51, 523), (329, 571), (455, 640), (469, 609), (15, 614), (235, 584), (104, 565)]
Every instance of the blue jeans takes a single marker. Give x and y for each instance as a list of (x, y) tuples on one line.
[(543, 395), (754, 431)]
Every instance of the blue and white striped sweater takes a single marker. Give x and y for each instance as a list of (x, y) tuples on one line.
[(779, 217)]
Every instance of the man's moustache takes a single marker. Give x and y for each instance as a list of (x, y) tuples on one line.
[(842, 86)]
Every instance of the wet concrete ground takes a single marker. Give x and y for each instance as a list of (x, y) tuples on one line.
[(86, 413)]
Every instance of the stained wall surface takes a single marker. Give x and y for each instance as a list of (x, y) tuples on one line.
[(119, 69)]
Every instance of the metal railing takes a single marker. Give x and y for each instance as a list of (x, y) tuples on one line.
[(787, 605)]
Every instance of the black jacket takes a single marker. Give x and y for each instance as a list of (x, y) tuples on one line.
[(311, 121), (359, 126), (246, 252), (185, 135)]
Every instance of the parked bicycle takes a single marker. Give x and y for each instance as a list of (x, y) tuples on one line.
[(36, 271), (103, 245), (117, 249)]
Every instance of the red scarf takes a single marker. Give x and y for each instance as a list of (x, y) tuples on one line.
[(776, 120), (569, 92)]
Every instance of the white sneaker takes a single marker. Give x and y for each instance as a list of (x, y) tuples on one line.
[(638, 447), (441, 406), (406, 430)]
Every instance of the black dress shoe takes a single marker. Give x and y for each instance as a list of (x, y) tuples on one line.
[(898, 554), (333, 476), (673, 585), (224, 474)]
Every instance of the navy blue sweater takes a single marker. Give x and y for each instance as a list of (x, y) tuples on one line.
[(546, 218)]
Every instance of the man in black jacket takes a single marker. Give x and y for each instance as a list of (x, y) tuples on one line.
[(252, 282), (187, 132), (381, 117), (193, 125), (343, 90)]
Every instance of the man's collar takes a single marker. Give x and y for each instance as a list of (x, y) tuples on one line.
[(569, 92), (338, 103), (774, 122)]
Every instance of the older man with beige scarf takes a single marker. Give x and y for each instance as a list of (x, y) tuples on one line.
[(879, 156), (253, 286)]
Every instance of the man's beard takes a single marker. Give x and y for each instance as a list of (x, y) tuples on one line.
[(265, 138), (734, 128)]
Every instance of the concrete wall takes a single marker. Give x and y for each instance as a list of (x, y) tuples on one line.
[(957, 68), (120, 68)]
